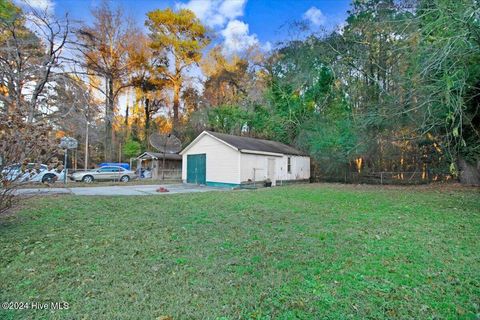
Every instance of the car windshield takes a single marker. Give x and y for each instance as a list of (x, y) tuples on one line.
[(32, 166)]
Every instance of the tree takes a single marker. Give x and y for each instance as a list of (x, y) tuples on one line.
[(104, 48), (182, 36), (132, 148), (30, 67), (449, 81), (147, 78), (7, 10), (191, 100), (227, 79), (30, 62), (227, 119), (22, 142), (77, 113)]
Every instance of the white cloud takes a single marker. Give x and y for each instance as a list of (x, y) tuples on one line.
[(237, 38), (315, 16), (215, 13), (232, 9), (223, 15), (267, 46)]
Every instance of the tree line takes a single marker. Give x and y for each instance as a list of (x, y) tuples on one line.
[(393, 89)]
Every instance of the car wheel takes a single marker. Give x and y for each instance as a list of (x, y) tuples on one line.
[(49, 178), (87, 179), (125, 178)]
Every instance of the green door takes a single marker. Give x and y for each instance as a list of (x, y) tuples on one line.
[(196, 168)]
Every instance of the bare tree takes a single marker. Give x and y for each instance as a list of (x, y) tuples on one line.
[(30, 65), (104, 53), (30, 61), (77, 111)]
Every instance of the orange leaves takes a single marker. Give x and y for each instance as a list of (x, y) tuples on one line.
[(180, 33)]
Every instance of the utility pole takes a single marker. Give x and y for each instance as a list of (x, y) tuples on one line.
[(67, 143), (65, 170), (86, 148)]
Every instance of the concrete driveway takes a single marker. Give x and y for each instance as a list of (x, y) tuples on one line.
[(127, 190)]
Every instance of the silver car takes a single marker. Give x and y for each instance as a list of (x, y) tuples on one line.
[(104, 173)]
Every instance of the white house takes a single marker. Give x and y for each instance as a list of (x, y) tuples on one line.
[(218, 159)]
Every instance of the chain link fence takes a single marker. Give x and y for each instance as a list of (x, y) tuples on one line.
[(386, 177)]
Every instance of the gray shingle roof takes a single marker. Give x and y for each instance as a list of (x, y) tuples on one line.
[(247, 143)]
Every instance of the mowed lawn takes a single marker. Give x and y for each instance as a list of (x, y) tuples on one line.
[(315, 251)]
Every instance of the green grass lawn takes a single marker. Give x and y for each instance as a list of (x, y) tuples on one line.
[(299, 252)]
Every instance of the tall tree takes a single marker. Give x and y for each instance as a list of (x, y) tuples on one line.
[(105, 46), (182, 36), (227, 79), (148, 79), (448, 90)]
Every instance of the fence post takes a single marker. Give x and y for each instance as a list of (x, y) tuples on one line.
[(381, 178)]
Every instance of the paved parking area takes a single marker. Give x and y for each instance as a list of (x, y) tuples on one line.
[(127, 190)]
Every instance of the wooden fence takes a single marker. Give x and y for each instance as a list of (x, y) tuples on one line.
[(167, 174)]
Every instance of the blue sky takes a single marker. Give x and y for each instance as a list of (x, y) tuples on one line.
[(238, 23)]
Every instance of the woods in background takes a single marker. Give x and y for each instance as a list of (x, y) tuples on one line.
[(395, 89)]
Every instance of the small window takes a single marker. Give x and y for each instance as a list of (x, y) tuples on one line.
[(289, 165), (110, 169)]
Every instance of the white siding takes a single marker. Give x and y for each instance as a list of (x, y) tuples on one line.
[(300, 167), (222, 161), (249, 162)]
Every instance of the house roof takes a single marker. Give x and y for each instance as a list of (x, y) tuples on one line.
[(159, 155), (253, 144)]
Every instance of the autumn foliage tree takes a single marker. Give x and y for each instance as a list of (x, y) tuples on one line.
[(227, 79), (182, 37), (148, 67)]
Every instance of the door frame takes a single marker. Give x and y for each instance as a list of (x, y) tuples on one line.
[(194, 161), (271, 175)]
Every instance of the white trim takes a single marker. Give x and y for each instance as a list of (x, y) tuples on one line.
[(154, 157), (274, 154), (146, 153), (151, 155), (200, 136), (262, 153)]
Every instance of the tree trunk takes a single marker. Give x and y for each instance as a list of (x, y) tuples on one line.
[(126, 117), (109, 110), (86, 148), (176, 104), (147, 118), (469, 173)]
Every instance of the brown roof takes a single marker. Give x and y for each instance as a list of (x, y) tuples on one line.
[(247, 143), (159, 155)]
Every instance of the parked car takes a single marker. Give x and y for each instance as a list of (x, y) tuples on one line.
[(104, 173), (32, 172), (124, 165)]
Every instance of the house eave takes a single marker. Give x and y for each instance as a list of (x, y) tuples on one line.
[(264, 153), (199, 137)]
